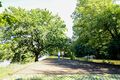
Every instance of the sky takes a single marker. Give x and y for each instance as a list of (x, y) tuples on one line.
[(117, 1), (64, 8)]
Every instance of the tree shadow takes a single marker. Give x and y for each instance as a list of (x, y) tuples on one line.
[(86, 67)]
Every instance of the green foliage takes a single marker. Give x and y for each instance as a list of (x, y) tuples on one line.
[(96, 23), (114, 47), (33, 31), (0, 4), (5, 51), (72, 56)]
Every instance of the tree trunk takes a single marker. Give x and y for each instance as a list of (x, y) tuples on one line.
[(36, 57)]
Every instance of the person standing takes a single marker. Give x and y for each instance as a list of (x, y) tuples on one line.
[(58, 56)]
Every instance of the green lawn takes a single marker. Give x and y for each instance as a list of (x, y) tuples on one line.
[(115, 62), (5, 71), (11, 69), (69, 77)]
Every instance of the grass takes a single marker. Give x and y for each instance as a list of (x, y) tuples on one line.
[(115, 62), (55, 57), (5, 71), (69, 77), (11, 69)]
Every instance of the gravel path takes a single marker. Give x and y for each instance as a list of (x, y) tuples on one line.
[(49, 67), (64, 67), (53, 66)]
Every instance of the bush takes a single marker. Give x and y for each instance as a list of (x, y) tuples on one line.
[(72, 56)]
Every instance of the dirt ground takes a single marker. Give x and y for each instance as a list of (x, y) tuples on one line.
[(55, 67)]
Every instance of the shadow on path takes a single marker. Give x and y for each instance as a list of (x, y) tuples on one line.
[(83, 67)]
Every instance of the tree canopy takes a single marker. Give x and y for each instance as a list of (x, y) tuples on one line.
[(97, 25), (0, 4), (32, 31)]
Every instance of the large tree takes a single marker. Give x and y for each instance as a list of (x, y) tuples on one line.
[(96, 24), (35, 30), (0, 4)]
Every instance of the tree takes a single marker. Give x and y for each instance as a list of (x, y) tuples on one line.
[(96, 24), (35, 30), (0, 4), (5, 49)]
